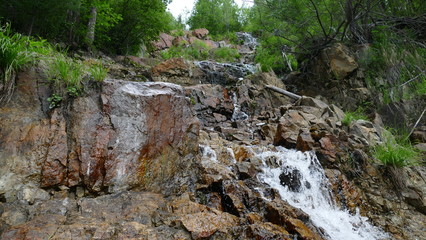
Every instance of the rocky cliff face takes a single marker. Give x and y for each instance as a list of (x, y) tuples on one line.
[(105, 142), (154, 160)]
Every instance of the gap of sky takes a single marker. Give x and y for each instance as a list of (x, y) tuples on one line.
[(184, 7)]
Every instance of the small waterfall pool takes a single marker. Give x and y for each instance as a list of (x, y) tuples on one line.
[(300, 180)]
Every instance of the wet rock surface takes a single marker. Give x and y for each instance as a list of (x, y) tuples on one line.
[(155, 160)]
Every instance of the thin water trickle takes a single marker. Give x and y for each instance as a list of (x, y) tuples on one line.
[(238, 115), (300, 180)]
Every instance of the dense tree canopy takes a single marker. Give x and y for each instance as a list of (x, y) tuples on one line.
[(219, 16), (116, 26)]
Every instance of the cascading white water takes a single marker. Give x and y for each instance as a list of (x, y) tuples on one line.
[(300, 180), (238, 115)]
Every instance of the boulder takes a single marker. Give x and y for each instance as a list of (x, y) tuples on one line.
[(366, 130), (340, 60), (164, 42), (200, 33), (180, 41), (123, 137), (178, 71)]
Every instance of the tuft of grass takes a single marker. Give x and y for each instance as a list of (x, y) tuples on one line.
[(13, 57), (353, 116), (197, 51), (98, 72), (396, 152), (66, 75)]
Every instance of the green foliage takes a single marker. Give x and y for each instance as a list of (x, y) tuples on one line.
[(421, 87), (14, 55), (198, 50), (142, 21), (396, 152), (46, 18), (66, 75), (270, 55), (121, 26), (394, 66), (98, 72), (227, 36), (54, 101), (353, 116), (178, 33), (218, 16), (226, 54), (13, 50)]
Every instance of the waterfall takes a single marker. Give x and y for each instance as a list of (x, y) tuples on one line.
[(300, 180), (238, 115)]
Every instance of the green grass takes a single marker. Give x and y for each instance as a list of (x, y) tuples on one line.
[(98, 72), (65, 74), (13, 57), (226, 54), (396, 152), (353, 116)]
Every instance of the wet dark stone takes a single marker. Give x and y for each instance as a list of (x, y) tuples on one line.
[(292, 179)]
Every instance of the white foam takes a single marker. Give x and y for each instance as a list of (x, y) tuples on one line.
[(314, 196)]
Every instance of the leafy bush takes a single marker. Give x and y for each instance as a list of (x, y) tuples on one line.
[(396, 152), (394, 66), (269, 59), (198, 50), (227, 36), (178, 33), (226, 54), (353, 116)]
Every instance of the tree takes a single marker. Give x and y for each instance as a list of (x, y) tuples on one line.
[(44, 17), (218, 16), (142, 21)]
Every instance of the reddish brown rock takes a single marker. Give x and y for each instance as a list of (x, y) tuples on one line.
[(328, 147), (201, 221), (305, 142), (210, 44), (178, 71), (200, 33), (288, 129), (179, 41), (165, 41)]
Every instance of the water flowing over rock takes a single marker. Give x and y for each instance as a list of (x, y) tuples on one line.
[(312, 195), (224, 73), (155, 160), (248, 46)]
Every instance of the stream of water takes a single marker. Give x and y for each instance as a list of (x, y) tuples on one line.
[(300, 180)]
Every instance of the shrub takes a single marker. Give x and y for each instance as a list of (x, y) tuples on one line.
[(353, 116), (396, 152), (196, 51), (394, 66), (270, 59), (178, 33), (226, 54)]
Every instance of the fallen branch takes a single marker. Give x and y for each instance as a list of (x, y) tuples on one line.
[(284, 92), (415, 125)]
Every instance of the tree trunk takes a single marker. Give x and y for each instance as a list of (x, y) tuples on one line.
[(90, 36)]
